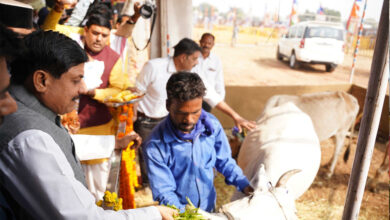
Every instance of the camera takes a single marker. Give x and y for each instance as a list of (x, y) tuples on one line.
[(147, 9)]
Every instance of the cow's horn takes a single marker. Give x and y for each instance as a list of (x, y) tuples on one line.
[(286, 176)]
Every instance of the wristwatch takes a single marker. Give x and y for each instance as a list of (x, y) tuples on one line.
[(130, 21)]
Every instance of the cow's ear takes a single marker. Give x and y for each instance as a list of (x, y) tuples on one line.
[(255, 181)]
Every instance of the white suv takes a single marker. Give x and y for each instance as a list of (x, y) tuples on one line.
[(313, 42)]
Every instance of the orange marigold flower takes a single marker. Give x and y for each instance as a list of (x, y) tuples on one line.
[(122, 118), (121, 134)]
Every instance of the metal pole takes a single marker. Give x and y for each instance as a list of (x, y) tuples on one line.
[(357, 42), (371, 115)]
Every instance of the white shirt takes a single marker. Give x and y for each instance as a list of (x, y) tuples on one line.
[(37, 174), (116, 42), (210, 69), (153, 79)]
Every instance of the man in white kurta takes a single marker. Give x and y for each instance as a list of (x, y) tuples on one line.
[(210, 68)]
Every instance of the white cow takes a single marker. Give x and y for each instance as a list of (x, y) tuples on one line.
[(283, 140), (332, 113), (267, 202)]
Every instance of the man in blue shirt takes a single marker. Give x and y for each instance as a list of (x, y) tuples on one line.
[(184, 148)]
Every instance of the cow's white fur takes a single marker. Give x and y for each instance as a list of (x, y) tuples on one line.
[(332, 113), (284, 139), (267, 202)]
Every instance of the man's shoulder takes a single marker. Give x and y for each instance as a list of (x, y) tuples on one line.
[(214, 121), (159, 136), (22, 120), (16, 124), (158, 61), (110, 51), (157, 133), (214, 57)]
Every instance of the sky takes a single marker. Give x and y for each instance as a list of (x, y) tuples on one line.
[(258, 7)]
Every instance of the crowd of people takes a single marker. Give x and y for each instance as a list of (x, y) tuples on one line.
[(51, 71)]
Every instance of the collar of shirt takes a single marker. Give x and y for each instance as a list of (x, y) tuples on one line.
[(21, 94), (169, 135), (210, 57), (171, 68)]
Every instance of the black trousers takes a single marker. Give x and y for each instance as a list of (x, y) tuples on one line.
[(144, 126)]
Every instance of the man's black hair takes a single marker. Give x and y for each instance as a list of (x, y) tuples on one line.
[(49, 51), (10, 44), (207, 34), (100, 20), (185, 86), (97, 8), (186, 46)]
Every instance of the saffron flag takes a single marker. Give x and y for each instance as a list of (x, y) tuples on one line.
[(354, 14), (294, 14)]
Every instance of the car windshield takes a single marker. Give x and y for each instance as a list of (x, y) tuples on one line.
[(324, 32)]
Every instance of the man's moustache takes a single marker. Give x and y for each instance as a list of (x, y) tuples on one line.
[(186, 125)]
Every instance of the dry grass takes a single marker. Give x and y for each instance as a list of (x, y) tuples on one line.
[(326, 197)]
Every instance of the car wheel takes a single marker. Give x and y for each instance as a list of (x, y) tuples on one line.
[(278, 55), (293, 61), (330, 67)]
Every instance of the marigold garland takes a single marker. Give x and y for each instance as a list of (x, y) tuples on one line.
[(128, 176), (110, 201)]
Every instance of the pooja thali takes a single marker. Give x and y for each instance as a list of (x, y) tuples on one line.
[(137, 98)]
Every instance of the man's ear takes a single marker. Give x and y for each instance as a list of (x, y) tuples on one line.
[(40, 80), (167, 104), (182, 58)]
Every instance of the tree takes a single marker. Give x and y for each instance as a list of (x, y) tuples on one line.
[(239, 13), (334, 15), (207, 8)]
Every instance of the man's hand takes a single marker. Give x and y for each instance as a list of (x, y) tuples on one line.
[(137, 14), (134, 90), (121, 143), (61, 4), (243, 123), (248, 190), (91, 93), (238, 120), (166, 212)]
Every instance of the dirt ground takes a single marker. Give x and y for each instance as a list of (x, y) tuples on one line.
[(257, 65), (326, 197), (249, 65)]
